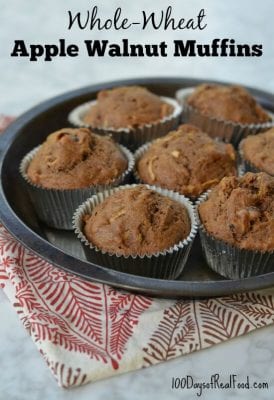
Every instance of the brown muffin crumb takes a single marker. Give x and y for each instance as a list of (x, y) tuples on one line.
[(228, 103), (76, 158), (137, 221), (240, 211), (259, 150), (126, 107), (187, 161)]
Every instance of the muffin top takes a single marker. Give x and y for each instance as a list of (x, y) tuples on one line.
[(137, 221), (229, 103), (259, 150), (240, 211), (126, 107), (76, 158), (187, 161)]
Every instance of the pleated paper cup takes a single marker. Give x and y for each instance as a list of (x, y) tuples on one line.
[(227, 131), (166, 264), (55, 207), (131, 137), (230, 261)]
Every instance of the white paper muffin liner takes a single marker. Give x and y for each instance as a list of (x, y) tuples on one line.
[(228, 131), (55, 207), (231, 261), (131, 137), (166, 264)]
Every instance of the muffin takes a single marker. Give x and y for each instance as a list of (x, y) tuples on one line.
[(227, 103), (132, 114), (237, 225), (127, 107), (137, 229), (187, 161), (227, 112), (257, 152), (76, 158), (70, 166)]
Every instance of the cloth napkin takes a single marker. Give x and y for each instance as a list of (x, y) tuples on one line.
[(89, 331)]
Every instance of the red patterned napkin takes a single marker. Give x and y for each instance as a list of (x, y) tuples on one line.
[(88, 331)]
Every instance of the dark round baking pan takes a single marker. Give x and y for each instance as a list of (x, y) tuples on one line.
[(60, 247)]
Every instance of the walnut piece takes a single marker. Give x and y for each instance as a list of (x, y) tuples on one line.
[(175, 153)]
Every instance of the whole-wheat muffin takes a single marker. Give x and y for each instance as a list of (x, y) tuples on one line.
[(126, 107), (227, 103), (136, 221), (258, 151), (76, 158), (240, 211), (187, 161)]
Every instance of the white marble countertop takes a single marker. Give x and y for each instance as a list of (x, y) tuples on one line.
[(24, 374)]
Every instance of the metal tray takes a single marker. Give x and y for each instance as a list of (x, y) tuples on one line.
[(60, 247)]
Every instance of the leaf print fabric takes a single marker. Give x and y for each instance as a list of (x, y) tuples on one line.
[(87, 331)]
